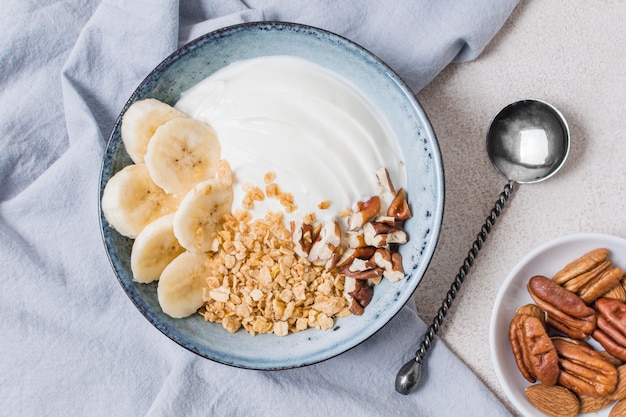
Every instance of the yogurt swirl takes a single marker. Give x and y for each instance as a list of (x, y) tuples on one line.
[(314, 129)]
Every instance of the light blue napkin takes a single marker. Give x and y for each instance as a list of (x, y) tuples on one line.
[(71, 341)]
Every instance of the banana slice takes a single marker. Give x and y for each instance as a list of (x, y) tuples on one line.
[(155, 247), (131, 200), (179, 290), (181, 153), (201, 212), (140, 121)]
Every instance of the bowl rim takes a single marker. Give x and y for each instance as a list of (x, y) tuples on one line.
[(427, 127)]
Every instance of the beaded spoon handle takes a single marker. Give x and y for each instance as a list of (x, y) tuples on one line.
[(409, 375), (528, 141)]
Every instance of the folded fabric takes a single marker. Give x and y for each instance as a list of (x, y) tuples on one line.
[(72, 342)]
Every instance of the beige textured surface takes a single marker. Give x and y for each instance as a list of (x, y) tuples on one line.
[(571, 53)]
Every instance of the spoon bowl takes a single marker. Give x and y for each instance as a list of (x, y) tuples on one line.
[(528, 141)]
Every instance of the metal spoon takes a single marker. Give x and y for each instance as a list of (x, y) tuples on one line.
[(528, 141)]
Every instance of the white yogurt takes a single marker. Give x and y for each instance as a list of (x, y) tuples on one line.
[(308, 125)]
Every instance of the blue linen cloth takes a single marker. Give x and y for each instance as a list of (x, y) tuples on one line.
[(71, 341)]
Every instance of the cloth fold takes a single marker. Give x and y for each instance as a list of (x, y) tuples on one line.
[(72, 342)]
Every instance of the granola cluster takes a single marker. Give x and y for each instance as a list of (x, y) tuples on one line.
[(272, 190), (258, 282)]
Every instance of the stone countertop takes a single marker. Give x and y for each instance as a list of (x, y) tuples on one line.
[(572, 54)]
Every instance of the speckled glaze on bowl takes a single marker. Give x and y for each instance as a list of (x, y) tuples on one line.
[(425, 187)]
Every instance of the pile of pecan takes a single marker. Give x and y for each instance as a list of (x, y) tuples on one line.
[(584, 301)]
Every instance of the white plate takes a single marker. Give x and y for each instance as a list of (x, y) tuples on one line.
[(546, 260)]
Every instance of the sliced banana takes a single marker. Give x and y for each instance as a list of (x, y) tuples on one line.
[(131, 200), (181, 153), (155, 247), (200, 214), (179, 290), (140, 121)]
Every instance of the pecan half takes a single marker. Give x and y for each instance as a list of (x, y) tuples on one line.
[(584, 370), (611, 326), (595, 289), (533, 350), (579, 282), (617, 292), (581, 265), (565, 311), (533, 310)]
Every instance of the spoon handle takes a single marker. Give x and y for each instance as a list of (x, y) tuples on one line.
[(404, 384)]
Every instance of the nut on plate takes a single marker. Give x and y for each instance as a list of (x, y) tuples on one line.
[(619, 409), (554, 401), (565, 311), (577, 283), (601, 285), (533, 349), (592, 276), (583, 369), (620, 390), (533, 310), (611, 326), (606, 355), (617, 292), (591, 404), (581, 265)]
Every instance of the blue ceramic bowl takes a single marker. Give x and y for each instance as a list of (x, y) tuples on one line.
[(425, 187)]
